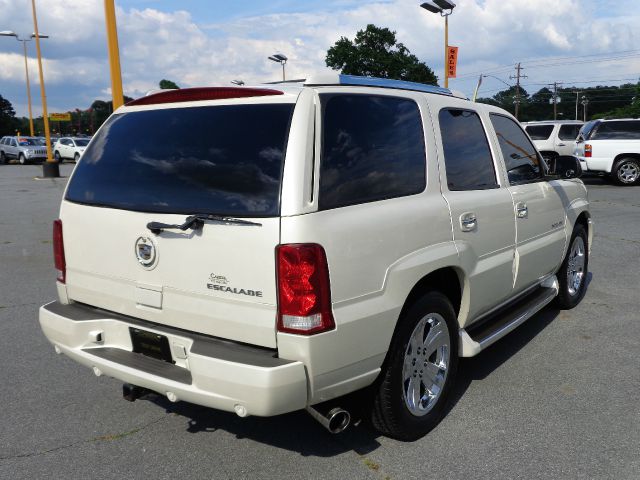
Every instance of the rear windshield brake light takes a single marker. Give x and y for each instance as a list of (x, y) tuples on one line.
[(202, 93)]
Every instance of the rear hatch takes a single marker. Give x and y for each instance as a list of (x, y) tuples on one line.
[(164, 165)]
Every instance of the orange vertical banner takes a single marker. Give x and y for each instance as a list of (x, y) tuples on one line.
[(452, 61)]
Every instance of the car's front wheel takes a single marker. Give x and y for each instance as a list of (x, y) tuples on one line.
[(22, 159), (3, 158), (76, 157), (626, 171), (410, 396), (572, 276), (57, 157)]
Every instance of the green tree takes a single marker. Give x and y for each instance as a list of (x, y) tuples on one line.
[(8, 120), (376, 52), (168, 84)]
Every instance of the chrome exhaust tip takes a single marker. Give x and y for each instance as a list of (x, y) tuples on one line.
[(335, 420)]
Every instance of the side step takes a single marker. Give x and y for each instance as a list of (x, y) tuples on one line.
[(480, 335)]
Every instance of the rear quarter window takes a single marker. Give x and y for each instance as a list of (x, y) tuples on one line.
[(626, 130), (223, 160), (539, 132), (372, 149)]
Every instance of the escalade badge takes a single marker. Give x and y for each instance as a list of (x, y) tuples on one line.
[(146, 252)]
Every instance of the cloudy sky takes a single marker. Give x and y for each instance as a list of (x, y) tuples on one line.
[(203, 42)]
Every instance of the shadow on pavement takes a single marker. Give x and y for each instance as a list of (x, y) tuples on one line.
[(298, 432)]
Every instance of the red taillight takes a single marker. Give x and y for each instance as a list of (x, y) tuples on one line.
[(587, 150), (202, 93), (58, 251), (304, 294)]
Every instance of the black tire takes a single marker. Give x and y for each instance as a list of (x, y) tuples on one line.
[(390, 412), (626, 172), (3, 158), (76, 157), (570, 295), (22, 160), (57, 156)]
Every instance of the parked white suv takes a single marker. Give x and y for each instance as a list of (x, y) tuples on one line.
[(70, 148), (613, 147), (23, 149), (266, 249), (553, 138)]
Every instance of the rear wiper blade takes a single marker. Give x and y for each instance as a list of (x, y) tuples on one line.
[(195, 222)]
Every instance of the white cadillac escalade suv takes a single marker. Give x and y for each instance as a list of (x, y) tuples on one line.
[(266, 249)]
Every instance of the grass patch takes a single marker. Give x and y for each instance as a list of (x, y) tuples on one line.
[(371, 465)]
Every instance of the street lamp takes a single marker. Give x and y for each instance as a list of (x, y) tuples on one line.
[(444, 8), (9, 33), (281, 59)]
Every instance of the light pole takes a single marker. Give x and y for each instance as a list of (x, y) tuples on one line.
[(114, 55), (9, 33), (281, 59), (50, 168), (444, 8)]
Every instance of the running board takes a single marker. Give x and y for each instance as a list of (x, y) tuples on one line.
[(477, 337)]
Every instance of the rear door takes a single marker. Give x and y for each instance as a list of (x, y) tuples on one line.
[(163, 165), (566, 138), (481, 208)]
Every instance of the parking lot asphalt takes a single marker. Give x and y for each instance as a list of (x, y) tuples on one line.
[(557, 398)]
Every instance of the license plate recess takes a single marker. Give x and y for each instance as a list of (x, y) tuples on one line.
[(150, 344)]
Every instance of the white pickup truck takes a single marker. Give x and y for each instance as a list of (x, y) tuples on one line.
[(613, 147)]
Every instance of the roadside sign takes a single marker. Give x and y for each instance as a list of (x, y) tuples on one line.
[(60, 117), (452, 61)]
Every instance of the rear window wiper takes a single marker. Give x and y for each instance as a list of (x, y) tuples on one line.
[(196, 222)]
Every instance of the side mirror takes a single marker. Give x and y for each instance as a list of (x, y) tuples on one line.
[(565, 166)]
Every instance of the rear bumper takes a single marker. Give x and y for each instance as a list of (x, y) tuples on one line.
[(207, 371)]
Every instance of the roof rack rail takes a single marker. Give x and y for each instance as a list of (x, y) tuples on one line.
[(340, 79)]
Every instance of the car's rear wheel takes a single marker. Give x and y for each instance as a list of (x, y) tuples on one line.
[(626, 171), (572, 276), (3, 158), (410, 396), (22, 159)]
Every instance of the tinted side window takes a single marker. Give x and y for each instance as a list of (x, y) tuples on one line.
[(628, 130), (539, 132), (372, 149), (467, 156), (568, 132), (520, 156)]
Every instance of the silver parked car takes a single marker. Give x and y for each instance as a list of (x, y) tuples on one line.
[(23, 149)]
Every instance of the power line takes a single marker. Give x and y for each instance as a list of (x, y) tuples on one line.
[(544, 61)]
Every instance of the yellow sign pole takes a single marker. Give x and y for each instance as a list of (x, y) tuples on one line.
[(45, 117), (114, 54), (26, 70)]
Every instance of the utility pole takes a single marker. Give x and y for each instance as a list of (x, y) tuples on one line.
[(585, 102), (577, 92), (517, 78), (555, 99)]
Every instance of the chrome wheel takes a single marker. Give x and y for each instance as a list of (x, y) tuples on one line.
[(575, 266), (628, 172), (426, 361)]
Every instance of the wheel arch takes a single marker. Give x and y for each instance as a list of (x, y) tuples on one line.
[(620, 156), (450, 281)]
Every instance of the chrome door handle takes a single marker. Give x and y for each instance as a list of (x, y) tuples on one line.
[(521, 210), (468, 222), (562, 144)]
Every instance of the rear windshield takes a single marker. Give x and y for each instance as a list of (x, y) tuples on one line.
[(539, 132), (223, 160), (81, 142)]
